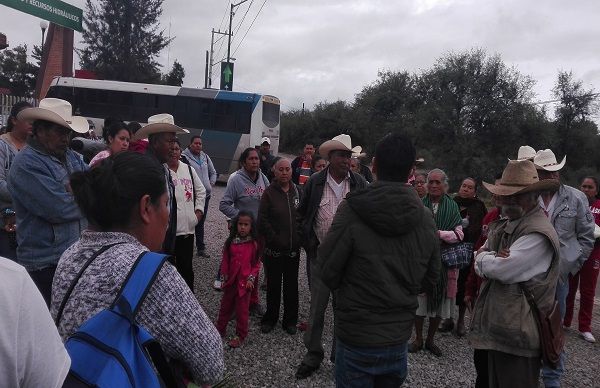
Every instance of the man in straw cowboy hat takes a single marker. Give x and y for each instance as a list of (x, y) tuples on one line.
[(48, 218), (161, 132), (522, 250), (568, 211), (323, 192)]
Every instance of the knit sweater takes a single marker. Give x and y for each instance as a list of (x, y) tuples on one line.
[(170, 312)]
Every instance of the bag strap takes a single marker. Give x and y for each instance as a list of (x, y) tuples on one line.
[(193, 184), (76, 280), (138, 283), (529, 296)]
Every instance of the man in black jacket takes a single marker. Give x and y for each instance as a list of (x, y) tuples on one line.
[(381, 251), (323, 192)]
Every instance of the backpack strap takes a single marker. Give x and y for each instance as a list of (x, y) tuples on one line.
[(138, 283), (76, 280)]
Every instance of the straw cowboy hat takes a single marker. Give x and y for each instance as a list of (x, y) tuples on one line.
[(519, 177), (357, 152), (160, 123), (56, 111), (339, 143), (546, 160), (526, 153)]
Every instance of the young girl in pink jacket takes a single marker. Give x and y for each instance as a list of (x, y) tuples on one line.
[(239, 268)]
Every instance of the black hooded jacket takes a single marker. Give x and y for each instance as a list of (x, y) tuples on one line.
[(381, 251)]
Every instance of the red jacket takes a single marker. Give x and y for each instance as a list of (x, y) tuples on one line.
[(240, 261), (473, 280)]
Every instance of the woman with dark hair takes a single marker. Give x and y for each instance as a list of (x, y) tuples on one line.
[(244, 190), (189, 196), (587, 276), (278, 225), (125, 201), (117, 136), (472, 212), (13, 141), (317, 164)]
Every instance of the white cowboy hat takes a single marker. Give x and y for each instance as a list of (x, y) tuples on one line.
[(265, 140), (546, 160), (526, 153), (160, 123), (520, 176), (341, 142), (357, 152), (56, 111)]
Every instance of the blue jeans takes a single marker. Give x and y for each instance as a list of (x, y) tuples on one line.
[(370, 367), (199, 230), (552, 376)]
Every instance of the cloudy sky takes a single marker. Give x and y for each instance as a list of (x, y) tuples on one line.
[(307, 51)]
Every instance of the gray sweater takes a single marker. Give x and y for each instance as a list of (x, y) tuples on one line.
[(204, 168), (243, 194), (170, 312)]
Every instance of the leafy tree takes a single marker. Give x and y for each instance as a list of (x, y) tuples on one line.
[(16, 73), (123, 39), (175, 76)]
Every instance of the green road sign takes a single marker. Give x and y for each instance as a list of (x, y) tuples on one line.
[(55, 11), (226, 75)]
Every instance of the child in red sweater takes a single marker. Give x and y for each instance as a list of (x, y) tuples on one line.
[(239, 268)]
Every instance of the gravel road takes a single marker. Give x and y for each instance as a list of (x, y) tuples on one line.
[(270, 360)]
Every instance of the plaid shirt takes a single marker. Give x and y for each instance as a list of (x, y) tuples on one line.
[(328, 206)]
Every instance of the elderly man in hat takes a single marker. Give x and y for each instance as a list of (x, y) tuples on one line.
[(323, 192), (49, 220), (568, 211), (161, 132), (520, 256)]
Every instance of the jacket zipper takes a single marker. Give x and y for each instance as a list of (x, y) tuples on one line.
[(107, 349), (290, 214)]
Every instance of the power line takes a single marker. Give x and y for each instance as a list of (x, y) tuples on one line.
[(243, 18), (251, 24), (220, 25)]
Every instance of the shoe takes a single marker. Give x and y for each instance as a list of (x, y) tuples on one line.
[(235, 342), (305, 371), (203, 254), (217, 285), (447, 326), (291, 330), (433, 348), (257, 310), (460, 330), (303, 326), (414, 347), (266, 327), (587, 336)]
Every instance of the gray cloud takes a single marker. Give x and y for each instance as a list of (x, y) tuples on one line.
[(311, 51)]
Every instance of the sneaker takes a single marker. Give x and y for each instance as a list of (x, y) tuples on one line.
[(235, 342), (257, 310), (204, 254), (587, 336), (305, 371), (217, 285)]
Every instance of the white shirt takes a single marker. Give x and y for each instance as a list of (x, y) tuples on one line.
[(184, 195), (530, 255), (31, 351), (550, 208)]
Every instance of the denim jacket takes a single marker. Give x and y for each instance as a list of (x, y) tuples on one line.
[(48, 219), (574, 224)]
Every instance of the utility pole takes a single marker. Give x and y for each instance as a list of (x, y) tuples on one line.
[(212, 52), (206, 72), (230, 22)]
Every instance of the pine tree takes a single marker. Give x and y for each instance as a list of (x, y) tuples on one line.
[(175, 76), (123, 39)]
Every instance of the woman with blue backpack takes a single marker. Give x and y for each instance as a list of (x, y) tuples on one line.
[(108, 283)]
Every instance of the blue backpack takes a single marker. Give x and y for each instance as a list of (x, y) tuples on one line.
[(110, 349)]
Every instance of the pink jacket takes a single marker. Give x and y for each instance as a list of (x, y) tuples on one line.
[(240, 261)]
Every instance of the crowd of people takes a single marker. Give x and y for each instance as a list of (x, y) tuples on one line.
[(389, 245)]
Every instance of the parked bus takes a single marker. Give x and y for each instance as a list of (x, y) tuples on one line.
[(228, 122)]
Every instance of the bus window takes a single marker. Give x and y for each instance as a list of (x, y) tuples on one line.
[(270, 114)]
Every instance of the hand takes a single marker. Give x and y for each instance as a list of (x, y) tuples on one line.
[(469, 303), (199, 215), (249, 285), (504, 253)]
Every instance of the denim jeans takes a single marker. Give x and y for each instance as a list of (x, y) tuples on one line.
[(379, 367), (552, 376)]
